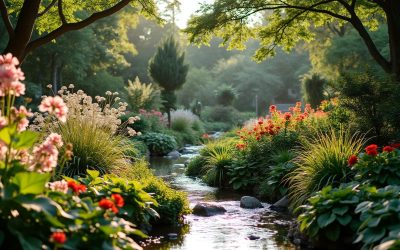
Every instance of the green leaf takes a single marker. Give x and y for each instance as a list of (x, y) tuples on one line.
[(5, 135), (374, 222), (340, 210), (372, 235), (31, 182), (93, 173), (326, 219), (25, 139), (344, 220)]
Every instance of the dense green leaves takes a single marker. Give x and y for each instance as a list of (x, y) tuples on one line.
[(31, 182)]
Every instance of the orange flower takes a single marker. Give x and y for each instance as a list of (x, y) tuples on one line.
[(287, 116)]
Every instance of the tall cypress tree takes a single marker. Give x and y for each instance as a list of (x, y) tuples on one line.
[(168, 69)]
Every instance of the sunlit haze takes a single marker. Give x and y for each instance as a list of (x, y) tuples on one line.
[(188, 8)]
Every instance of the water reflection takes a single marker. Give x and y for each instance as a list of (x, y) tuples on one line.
[(228, 231)]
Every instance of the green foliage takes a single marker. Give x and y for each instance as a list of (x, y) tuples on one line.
[(330, 214), (372, 102), (218, 161), (195, 167), (275, 185), (142, 96), (313, 89), (379, 216), (226, 95), (137, 203), (93, 148), (159, 144), (187, 127), (99, 83), (322, 162), (380, 170), (172, 204), (220, 116)]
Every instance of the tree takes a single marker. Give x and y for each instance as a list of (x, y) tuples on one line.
[(291, 21), (313, 89), (53, 18), (168, 69)]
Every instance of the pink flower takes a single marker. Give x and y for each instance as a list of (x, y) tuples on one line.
[(59, 186), (10, 76), (3, 122), (56, 106), (54, 139)]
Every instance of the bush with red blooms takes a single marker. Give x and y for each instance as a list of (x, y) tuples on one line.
[(278, 122), (58, 237), (378, 167)]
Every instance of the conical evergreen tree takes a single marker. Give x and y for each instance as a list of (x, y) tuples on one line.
[(168, 69)]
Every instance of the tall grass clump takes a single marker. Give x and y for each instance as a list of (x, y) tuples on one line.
[(218, 161), (95, 131), (186, 126), (322, 161)]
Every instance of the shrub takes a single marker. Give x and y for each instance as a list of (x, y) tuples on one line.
[(172, 204), (330, 214), (322, 161), (196, 166), (379, 170), (143, 96), (274, 186), (159, 144), (150, 121), (226, 95), (379, 215)]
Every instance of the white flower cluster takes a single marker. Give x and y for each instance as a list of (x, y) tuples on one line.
[(102, 112)]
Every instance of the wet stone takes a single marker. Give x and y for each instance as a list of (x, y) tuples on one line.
[(253, 237), (205, 209), (250, 202)]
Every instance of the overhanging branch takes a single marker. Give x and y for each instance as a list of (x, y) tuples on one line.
[(61, 12), (48, 7), (65, 27)]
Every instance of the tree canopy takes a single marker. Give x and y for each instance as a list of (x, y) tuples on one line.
[(32, 23), (285, 23)]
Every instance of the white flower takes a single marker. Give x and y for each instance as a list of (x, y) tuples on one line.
[(71, 86)]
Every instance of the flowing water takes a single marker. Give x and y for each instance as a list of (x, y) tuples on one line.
[(231, 230)]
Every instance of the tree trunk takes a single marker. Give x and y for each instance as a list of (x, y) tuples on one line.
[(23, 31), (393, 19), (169, 117)]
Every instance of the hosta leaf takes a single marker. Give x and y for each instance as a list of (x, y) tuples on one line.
[(340, 210), (344, 220), (372, 235), (325, 219)]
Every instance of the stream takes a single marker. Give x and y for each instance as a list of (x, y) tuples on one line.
[(231, 230)]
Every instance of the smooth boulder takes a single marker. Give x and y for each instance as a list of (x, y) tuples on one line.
[(280, 206), (250, 202), (206, 209)]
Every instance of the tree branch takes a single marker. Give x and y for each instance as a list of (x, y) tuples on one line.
[(6, 18), (61, 13), (65, 27), (48, 7)]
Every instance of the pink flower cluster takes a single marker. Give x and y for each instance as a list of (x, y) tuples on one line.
[(54, 106), (20, 116), (45, 155), (59, 186), (10, 76)]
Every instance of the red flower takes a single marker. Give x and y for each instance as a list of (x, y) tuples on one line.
[(272, 108), (352, 160), (372, 150), (76, 187), (58, 237), (240, 146), (108, 204), (395, 145), (287, 116), (388, 149), (118, 200), (205, 136)]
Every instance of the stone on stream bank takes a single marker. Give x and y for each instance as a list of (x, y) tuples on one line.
[(205, 209), (173, 155), (280, 206), (250, 202)]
